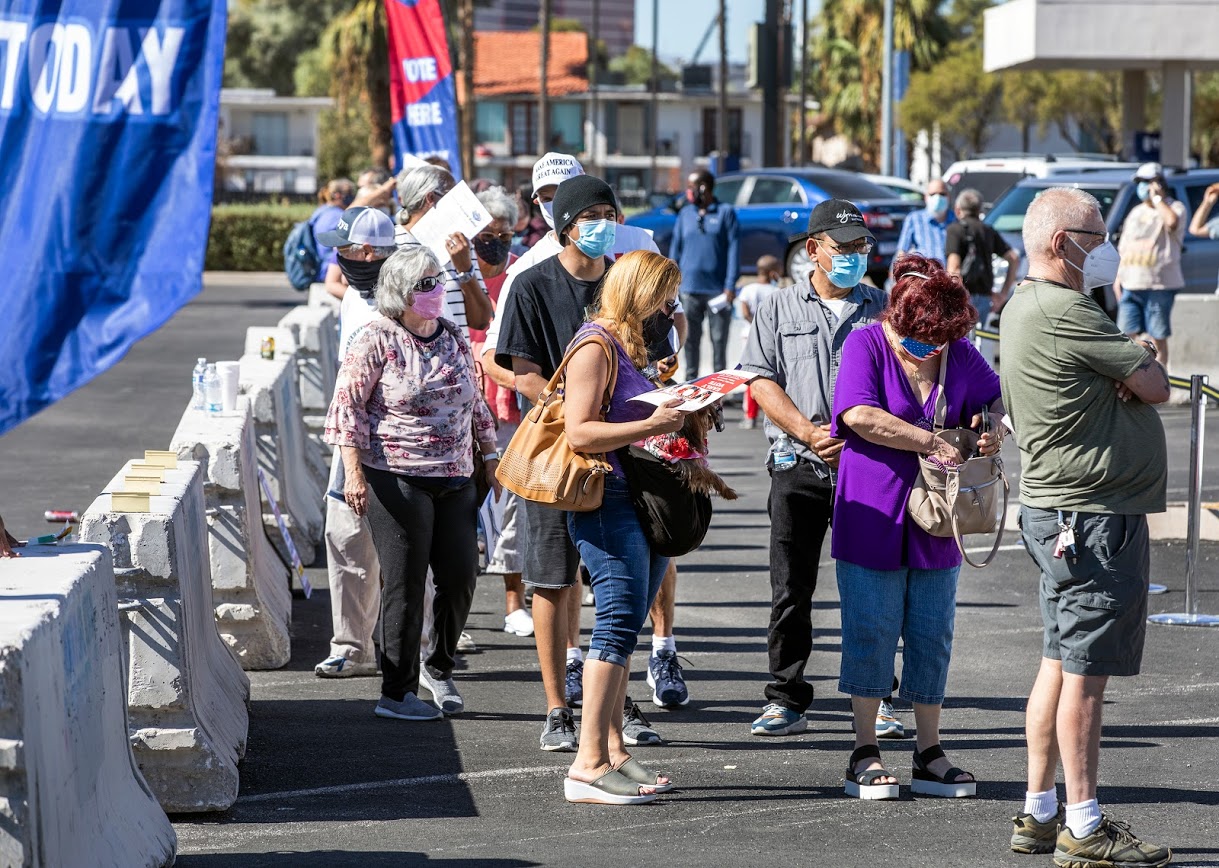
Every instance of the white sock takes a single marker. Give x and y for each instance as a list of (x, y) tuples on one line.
[(663, 643), (575, 654), (1042, 806), (1082, 819)]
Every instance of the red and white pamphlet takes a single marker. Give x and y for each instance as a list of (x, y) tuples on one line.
[(699, 393)]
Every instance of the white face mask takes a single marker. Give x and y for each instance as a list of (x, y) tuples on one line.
[(1100, 265), (547, 213)]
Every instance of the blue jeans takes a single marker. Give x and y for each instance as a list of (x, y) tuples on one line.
[(878, 607), (1146, 311), (626, 575)]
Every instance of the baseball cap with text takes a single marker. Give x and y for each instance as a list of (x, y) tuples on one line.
[(360, 225), (554, 168), (839, 219)]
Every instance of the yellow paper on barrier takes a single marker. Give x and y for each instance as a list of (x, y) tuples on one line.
[(162, 458), (143, 469), (141, 485), (128, 502)]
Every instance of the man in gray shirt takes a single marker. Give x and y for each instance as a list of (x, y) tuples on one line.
[(795, 346)]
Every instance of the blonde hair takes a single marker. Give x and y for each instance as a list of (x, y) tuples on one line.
[(635, 287)]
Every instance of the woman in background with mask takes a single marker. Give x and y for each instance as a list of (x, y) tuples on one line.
[(895, 580), (406, 407)]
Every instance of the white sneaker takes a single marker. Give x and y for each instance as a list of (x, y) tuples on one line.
[(443, 690), (518, 623), (465, 644), (336, 666)]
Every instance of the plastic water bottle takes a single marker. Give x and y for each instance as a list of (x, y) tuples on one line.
[(782, 453), (198, 399), (211, 389)]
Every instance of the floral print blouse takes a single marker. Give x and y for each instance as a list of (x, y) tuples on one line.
[(408, 403)]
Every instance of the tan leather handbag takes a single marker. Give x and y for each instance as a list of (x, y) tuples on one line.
[(953, 501), (539, 463)]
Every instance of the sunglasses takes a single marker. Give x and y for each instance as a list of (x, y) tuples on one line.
[(427, 284), (670, 307), (505, 238)]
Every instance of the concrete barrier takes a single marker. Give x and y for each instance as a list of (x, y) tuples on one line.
[(316, 331), (70, 791), (186, 692), (284, 452), (250, 587), (1194, 345), (319, 297)]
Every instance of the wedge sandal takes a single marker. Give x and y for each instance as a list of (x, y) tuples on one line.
[(862, 785), (635, 771), (612, 788), (925, 783)]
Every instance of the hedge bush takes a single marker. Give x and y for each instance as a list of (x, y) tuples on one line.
[(251, 237)]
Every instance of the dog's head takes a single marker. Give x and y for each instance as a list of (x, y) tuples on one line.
[(697, 426)]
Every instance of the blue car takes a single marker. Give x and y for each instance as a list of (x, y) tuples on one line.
[(773, 204)]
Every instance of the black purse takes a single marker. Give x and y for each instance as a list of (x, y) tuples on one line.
[(673, 516)]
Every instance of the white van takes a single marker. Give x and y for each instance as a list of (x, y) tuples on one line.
[(992, 174)]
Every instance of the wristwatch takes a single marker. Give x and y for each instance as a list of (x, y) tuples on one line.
[(463, 276), (490, 456)]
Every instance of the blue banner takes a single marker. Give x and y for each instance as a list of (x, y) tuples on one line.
[(423, 103), (107, 149)]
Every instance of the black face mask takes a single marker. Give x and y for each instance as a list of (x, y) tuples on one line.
[(491, 250), (656, 329), (361, 276)]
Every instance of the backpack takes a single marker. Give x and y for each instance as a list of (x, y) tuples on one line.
[(977, 273), (301, 259)]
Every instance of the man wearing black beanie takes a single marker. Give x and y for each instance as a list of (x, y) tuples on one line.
[(547, 306)]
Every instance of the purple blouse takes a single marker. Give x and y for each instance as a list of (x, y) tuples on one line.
[(870, 526), (629, 384)]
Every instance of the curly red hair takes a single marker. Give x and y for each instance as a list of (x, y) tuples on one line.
[(927, 303)]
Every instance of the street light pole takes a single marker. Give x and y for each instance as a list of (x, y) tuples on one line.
[(543, 137), (594, 124), (721, 135), (655, 85), (803, 81), (886, 104)]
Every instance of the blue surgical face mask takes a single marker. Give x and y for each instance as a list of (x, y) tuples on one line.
[(596, 237), (847, 269), (1143, 190), (937, 203)]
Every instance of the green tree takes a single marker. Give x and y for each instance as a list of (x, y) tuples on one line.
[(266, 37), (1206, 117), (848, 53), (956, 95), (636, 66)]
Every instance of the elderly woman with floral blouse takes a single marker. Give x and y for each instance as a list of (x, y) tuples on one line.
[(405, 414)]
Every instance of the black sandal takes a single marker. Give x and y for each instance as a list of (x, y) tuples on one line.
[(926, 783), (862, 785)]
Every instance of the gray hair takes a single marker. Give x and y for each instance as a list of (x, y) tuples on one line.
[(499, 204), (969, 202), (415, 185), (396, 286), (1055, 209)]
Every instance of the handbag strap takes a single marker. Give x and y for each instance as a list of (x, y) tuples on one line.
[(561, 371), (941, 399), (994, 549)]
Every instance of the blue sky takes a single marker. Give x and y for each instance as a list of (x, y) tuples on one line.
[(683, 22)]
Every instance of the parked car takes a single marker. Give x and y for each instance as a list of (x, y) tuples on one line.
[(1115, 190), (899, 187), (993, 174), (772, 205)]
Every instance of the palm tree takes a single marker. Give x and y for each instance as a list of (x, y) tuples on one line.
[(848, 52), (356, 52)]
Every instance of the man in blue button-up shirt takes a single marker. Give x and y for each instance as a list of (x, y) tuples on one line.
[(704, 246), (924, 231)]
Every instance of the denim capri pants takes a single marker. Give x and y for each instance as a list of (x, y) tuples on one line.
[(879, 607), (626, 575)]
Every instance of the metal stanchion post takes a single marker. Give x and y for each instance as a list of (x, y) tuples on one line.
[(1197, 438)]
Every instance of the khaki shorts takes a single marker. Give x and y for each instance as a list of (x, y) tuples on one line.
[(1093, 606)]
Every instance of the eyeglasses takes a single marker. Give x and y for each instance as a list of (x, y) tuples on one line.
[(670, 306), (427, 284), (505, 237), (1104, 235), (863, 245)]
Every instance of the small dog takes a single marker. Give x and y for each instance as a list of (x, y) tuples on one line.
[(687, 451)]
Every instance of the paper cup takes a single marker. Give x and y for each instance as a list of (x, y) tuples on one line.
[(228, 372)]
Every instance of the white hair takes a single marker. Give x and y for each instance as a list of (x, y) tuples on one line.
[(969, 202), (500, 204), (1053, 210), (396, 284), (415, 185)]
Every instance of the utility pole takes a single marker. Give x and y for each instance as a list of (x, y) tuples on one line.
[(886, 98), (803, 155), (594, 121), (655, 85), (543, 137), (721, 133), (770, 59), (467, 87)]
